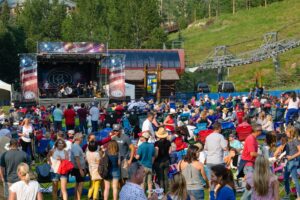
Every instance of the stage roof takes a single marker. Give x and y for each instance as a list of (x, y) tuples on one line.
[(71, 57), (138, 75)]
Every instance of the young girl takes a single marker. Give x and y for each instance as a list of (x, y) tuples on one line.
[(114, 170), (222, 184), (268, 126), (263, 183), (25, 189), (93, 159)]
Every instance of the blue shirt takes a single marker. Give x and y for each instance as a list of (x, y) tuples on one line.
[(226, 193), (57, 115), (236, 144), (146, 152)]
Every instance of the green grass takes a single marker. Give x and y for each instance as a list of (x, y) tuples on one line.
[(247, 25)]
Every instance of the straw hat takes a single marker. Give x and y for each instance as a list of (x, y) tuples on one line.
[(161, 133), (225, 110), (172, 111)]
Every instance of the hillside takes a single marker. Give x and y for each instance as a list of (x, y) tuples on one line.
[(243, 32)]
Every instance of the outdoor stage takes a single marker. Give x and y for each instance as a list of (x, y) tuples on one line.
[(103, 102)]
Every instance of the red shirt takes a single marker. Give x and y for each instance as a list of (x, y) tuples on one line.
[(251, 145), (169, 127), (240, 115), (70, 116)]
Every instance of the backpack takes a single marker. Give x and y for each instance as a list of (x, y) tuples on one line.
[(103, 168)]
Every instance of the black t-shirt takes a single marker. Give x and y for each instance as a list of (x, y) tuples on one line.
[(163, 150), (10, 161)]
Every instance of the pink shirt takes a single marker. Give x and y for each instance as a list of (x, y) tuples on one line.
[(269, 195)]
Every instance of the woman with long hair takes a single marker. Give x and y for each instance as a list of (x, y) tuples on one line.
[(293, 103), (193, 171), (292, 149), (263, 183), (57, 154), (114, 170), (178, 189), (222, 184), (27, 135), (93, 159), (25, 189)]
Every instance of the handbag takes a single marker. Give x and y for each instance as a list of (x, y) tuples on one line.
[(65, 167)]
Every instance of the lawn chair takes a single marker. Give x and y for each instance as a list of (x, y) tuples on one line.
[(44, 177), (42, 148)]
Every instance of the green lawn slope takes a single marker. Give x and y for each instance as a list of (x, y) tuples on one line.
[(243, 32)]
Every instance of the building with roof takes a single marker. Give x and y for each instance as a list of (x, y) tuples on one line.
[(171, 61)]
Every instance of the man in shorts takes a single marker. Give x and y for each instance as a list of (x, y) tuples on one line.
[(126, 149)]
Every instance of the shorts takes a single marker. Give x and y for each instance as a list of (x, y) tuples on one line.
[(148, 175), (57, 177), (78, 177)]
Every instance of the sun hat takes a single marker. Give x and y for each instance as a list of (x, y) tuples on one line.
[(172, 111), (161, 133), (146, 135), (225, 110)]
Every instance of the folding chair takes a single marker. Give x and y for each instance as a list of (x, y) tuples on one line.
[(44, 177), (42, 148)]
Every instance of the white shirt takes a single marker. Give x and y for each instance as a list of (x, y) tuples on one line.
[(293, 105), (55, 163), (147, 126), (214, 145), (132, 191), (94, 112), (26, 132), (25, 191)]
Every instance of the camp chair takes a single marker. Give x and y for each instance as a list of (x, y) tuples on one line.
[(42, 148), (44, 177)]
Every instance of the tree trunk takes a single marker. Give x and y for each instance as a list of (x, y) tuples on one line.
[(233, 7), (209, 8), (266, 3)]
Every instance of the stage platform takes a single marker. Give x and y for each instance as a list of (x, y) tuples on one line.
[(103, 102)]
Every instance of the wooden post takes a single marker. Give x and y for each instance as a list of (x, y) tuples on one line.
[(158, 93), (145, 79)]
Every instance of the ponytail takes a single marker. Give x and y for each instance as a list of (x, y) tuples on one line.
[(23, 171)]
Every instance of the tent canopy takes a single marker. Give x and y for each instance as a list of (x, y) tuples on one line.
[(5, 86)]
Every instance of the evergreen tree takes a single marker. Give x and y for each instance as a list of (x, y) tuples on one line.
[(5, 13)]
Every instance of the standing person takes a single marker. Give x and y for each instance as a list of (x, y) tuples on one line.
[(26, 137), (58, 154), (264, 184), (126, 150), (293, 103), (69, 115), (132, 190), (77, 158), (193, 172), (292, 149), (162, 161), (94, 112), (148, 126), (57, 117), (114, 170), (249, 154), (82, 114), (215, 146), (9, 163), (25, 189), (146, 154), (223, 178), (93, 160)]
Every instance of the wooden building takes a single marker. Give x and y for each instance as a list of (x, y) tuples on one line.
[(172, 64)]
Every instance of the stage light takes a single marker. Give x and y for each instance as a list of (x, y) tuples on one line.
[(113, 61), (46, 45), (23, 61)]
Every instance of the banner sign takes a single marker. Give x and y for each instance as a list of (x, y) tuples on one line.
[(116, 76), (28, 77), (70, 47), (152, 83)]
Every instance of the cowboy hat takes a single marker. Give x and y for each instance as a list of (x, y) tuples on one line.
[(161, 133)]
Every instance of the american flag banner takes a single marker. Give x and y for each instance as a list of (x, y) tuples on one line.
[(71, 47), (28, 77), (117, 76)]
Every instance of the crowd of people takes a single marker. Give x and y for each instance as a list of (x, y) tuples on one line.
[(147, 150)]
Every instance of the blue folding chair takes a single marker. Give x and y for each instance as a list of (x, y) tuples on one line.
[(200, 127), (42, 148)]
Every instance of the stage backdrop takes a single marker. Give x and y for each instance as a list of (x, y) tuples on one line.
[(70, 47), (28, 77), (116, 76)]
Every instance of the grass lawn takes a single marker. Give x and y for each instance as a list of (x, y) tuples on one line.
[(243, 32)]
